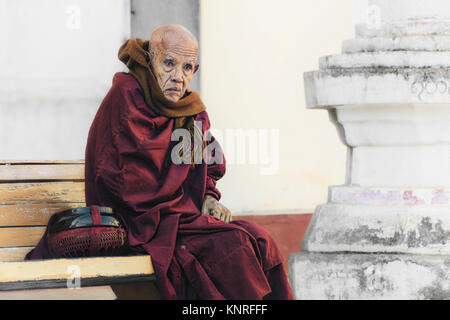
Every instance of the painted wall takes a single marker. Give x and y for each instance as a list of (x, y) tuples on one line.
[(254, 53), (57, 59)]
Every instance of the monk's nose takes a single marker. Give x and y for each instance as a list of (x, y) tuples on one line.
[(177, 76)]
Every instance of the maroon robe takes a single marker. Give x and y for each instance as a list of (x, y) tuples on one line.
[(161, 206)]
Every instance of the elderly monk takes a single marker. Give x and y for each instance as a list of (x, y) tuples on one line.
[(172, 211)]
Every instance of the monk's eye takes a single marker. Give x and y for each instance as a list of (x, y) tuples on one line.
[(169, 63), (188, 67)]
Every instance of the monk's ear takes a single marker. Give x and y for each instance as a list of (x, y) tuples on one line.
[(149, 55), (196, 67)]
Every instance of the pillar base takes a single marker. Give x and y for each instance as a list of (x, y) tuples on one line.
[(359, 276), (367, 228)]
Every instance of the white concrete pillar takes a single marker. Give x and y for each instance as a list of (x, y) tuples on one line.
[(385, 233)]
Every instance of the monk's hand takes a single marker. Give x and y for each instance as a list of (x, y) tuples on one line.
[(214, 208)]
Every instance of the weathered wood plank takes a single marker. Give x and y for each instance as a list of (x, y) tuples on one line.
[(63, 269), (20, 236), (30, 214), (87, 293), (41, 172), (45, 192), (84, 282), (14, 253), (49, 162)]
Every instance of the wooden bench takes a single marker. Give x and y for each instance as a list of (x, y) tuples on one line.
[(30, 192)]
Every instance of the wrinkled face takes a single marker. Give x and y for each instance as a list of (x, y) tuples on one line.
[(174, 65)]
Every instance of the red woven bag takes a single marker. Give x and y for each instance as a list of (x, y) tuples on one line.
[(85, 232)]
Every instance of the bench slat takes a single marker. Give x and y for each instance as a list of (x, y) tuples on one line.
[(41, 172), (14, 253), (31, 214), (88, 293), (20, 236), (45, 192), (54, 273), (48, 162)]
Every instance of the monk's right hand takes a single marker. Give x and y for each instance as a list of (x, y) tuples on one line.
[(214, 208)]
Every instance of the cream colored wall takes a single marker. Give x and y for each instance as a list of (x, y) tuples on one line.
[(57, 60), (254, 54)]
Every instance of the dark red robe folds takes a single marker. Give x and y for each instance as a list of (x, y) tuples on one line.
[(161, 206)]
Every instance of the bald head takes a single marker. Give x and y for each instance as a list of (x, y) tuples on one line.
[(174, 36), (173, 55)]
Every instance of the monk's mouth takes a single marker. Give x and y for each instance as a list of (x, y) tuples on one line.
[(173, 90)]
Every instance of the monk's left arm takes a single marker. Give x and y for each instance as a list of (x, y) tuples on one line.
[(216, 168), (216, 164), (214, 173)]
